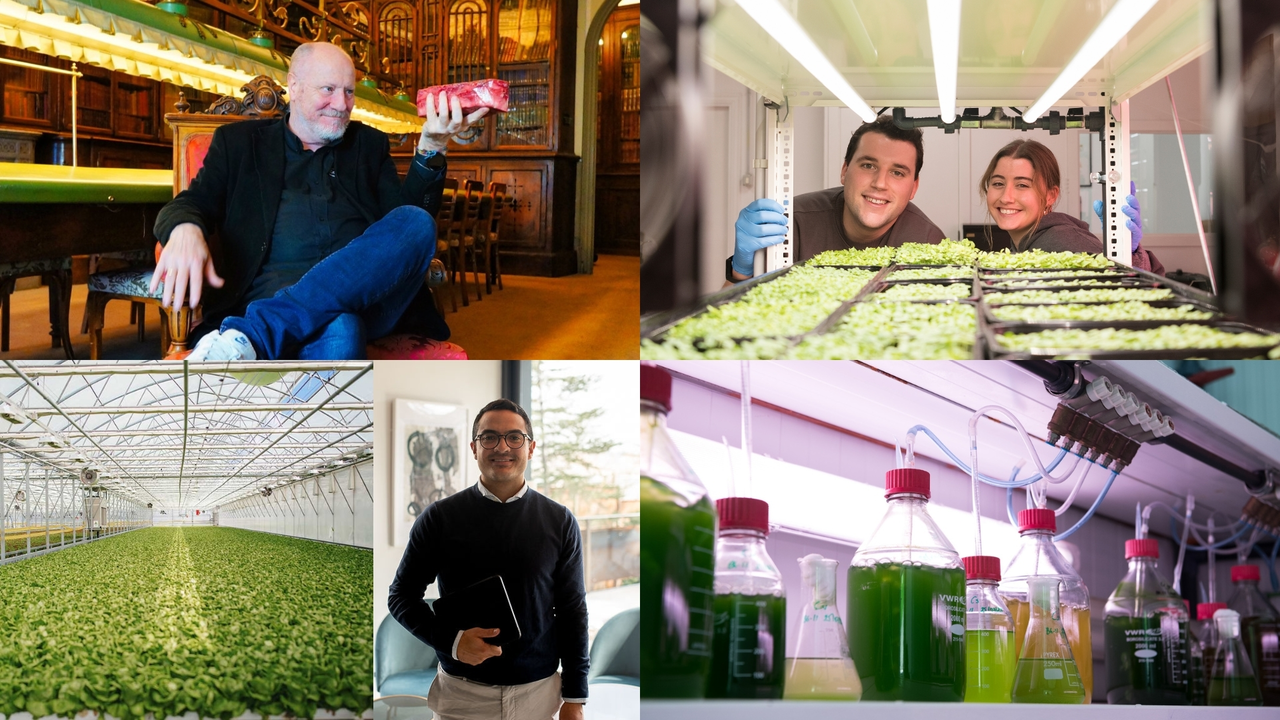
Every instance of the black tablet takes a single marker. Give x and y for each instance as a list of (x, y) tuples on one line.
[(482, 605)]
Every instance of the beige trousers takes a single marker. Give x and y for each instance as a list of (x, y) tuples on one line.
[(455, 698)]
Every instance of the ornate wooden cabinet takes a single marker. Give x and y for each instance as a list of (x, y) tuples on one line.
[(531, 45), (618, 135)]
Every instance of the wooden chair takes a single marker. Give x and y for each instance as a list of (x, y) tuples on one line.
[(56, 272), (444, 226), (455, 236), (492, 262), (192, 134), (472, 227)]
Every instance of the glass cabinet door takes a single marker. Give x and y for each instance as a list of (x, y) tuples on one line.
[(525, 32)]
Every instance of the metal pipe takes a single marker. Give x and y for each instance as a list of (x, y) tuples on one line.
[(167, 368), (1252, 480), (1191, 187), (326, 430), (996, 119), (201, 409)]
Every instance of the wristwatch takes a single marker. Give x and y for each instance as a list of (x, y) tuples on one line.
[(433, 160)]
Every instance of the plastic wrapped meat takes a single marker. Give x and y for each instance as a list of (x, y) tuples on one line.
[(490, 93)]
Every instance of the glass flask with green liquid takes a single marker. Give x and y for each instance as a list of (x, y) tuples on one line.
[(906, 601), (1205, 637), (749, 641), (1232, 680), (677, 556), (820, 667), (1047, 672), (1259, 630), (1145, 633), (990, 656)]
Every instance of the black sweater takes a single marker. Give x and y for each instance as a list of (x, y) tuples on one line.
[(534, 544)]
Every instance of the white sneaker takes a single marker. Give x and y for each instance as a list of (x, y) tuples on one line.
[(223, 345)]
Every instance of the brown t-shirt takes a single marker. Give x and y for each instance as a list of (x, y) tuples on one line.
[(819, 225)]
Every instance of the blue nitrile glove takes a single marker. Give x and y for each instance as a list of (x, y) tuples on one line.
[(759, 225), (1131, 210)]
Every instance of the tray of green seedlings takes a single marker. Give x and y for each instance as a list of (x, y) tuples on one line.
[(946, 252), (921, 291), (1079, 295), (1040, 260), (1129, 314), (780, 306), (1216, 340), (990, 284), (926, 273), (1002, 274), (903, 330), (872, 258)]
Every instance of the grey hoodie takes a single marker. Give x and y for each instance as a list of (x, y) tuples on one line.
[(1059, 231)]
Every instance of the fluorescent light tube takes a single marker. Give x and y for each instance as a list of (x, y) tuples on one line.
[(944, 34), (1118, 21), (787, 31)]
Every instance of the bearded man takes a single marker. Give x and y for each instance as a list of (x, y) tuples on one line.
[(322, 245)]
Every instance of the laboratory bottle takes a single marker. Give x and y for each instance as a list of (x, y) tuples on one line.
[(990, 655), (1037, 556), (906, 601), (750, 626), (1047, 672), (1231, 679), (1259, 629), (1196, 678), (1145, 634), (820, 668), (677, 555)]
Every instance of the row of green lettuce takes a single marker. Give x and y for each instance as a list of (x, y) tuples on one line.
[(215, 621)]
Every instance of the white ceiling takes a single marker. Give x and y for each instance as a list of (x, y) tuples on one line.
[(184, 435), (882, 400)]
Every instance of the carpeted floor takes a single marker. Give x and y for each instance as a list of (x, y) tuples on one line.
[(593, 316)]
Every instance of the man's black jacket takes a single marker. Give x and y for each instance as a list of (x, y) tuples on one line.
[(237, 192)]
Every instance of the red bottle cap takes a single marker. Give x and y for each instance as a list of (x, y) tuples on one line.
[(1205, 611), (1245, 572), (981, 567), (1146, 547), (906, 480), (1037, 519), (743, 512), (655, 385)]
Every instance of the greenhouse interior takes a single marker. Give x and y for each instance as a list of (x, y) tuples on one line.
[(183, 538), (772, 228), (847, 539)]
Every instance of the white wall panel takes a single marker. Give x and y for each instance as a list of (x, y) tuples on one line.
[(337, 513)]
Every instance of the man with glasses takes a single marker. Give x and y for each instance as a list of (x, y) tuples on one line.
[(500, 526), (322, 245)]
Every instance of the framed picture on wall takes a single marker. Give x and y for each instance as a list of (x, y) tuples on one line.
[(429, 459)]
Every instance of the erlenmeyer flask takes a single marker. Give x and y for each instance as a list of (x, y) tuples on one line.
[(1046, 669), (820, 668), (1231, 681)]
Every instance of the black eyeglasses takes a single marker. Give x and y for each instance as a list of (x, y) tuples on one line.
[(489, 440)]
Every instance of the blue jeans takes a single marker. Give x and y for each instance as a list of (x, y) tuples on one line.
[(356, 293)]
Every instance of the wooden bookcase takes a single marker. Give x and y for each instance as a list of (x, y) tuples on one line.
[(618, 135)]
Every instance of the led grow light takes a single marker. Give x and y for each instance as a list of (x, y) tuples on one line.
[(782, 27), (944, 34), (1118, 21)]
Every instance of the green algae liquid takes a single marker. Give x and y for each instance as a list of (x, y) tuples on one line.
[(1048, 680), (677, 561), (748, 648), (906, 631), (1227, 691), (1146, 660), (990, 661)]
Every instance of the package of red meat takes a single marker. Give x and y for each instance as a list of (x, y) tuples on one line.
[(489, 93)]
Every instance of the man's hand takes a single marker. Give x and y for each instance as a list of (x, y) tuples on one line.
[(1131, 210), (444, 120), (473, 650), (571, 711), (760, 224), (184, 265)]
